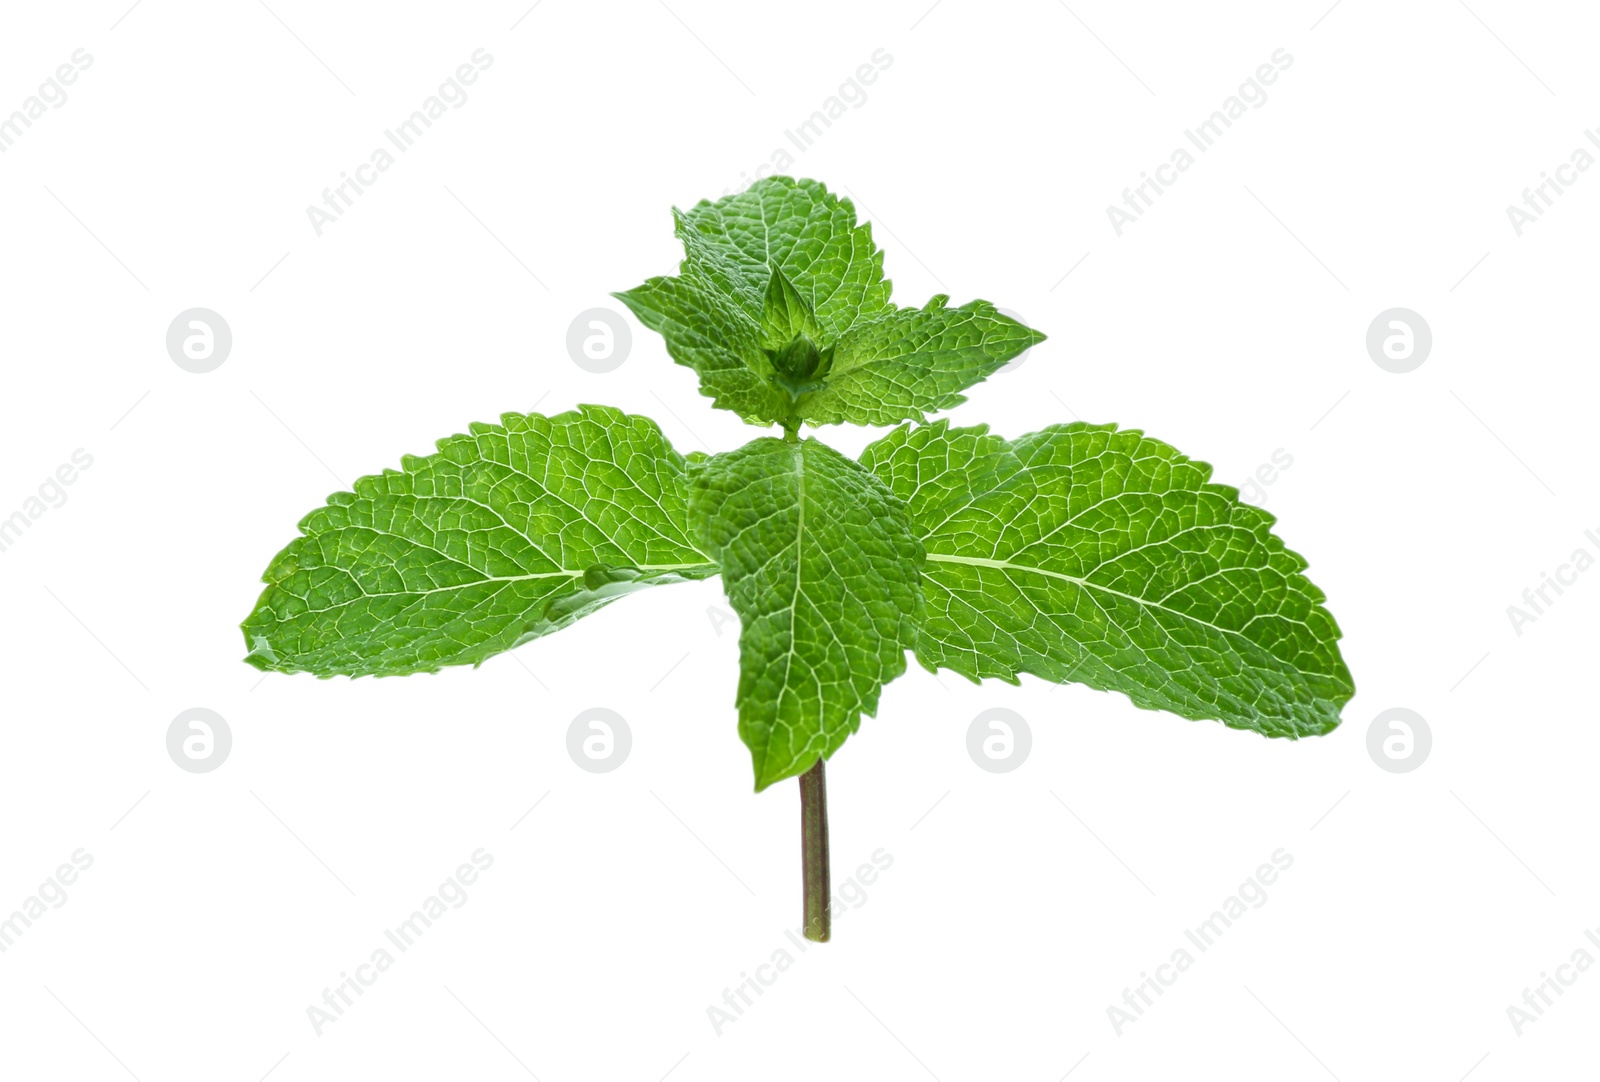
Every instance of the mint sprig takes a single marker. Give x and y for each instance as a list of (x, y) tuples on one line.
[(1082, 553)]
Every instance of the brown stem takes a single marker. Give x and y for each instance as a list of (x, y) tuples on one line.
[(814, 853)]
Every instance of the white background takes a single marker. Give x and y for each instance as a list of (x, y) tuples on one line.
[(1230, 320)]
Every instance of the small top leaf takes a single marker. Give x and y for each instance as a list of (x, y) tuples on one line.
[(910, 360), (781, 306), (820, 563), (505, 534), (1097, 555), (807, 232), (711, 321), (785, 314)]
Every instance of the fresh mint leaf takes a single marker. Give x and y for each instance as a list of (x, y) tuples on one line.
[(712, 324), (808, 233), (785, 314), (1098, 555), (820, 563), (781, 306), (912, 361), (1081, 552), (505, 534)]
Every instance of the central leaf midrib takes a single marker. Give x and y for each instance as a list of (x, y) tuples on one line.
[(799, 566), (536, 575), (1007, 565)]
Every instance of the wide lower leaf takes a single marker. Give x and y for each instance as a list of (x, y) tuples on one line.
[(505, 534), (821, 564), (1101, 556)]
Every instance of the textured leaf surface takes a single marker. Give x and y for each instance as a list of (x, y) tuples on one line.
[(786, 257), (1101, 556), (911, 360), (711, 322), (820, 563), (807, 232), (507, 533)]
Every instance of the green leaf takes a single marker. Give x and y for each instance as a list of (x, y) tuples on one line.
[(504, 535), (1093, 554), (821, 565), (914, 360), (781, 306), (808, 233), (785, 315), (712, 324)]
